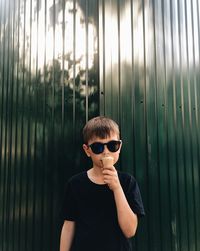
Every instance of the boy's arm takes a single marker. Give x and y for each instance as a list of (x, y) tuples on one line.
[(127, 219), (67, 235)]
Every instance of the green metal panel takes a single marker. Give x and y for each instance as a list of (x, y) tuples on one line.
[(155, 61), (146, 55), (48, 89)]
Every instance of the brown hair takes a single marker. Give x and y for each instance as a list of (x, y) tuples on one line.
[(100, 127)]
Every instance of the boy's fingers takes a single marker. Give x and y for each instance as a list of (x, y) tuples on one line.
[(108, 172), (108, 177)]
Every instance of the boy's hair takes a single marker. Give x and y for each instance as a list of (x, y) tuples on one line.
[(101, 127)]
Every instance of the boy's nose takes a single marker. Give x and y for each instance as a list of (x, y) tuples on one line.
[(106, 149)]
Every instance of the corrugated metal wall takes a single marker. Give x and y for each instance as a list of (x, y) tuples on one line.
[(146, 54), (150, 83), (48, 89)]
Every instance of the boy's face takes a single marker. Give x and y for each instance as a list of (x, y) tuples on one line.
[(96, 158)]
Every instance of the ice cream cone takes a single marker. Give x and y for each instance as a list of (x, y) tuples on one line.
[(107, 161)]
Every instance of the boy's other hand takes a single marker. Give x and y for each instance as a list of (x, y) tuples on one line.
[(111, 177)]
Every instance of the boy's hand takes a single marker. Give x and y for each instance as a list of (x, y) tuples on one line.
[(111, 177)]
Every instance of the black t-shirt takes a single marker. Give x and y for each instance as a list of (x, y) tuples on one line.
[(93, 209)]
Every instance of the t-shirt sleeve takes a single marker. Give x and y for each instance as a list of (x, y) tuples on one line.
[(68, 209), (134, 197)]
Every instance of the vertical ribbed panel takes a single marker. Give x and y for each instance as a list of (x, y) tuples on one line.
[(149, 82), (48, 89), (147, 57)]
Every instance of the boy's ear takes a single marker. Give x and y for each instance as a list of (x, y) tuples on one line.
[(86, 149), (121, 145)]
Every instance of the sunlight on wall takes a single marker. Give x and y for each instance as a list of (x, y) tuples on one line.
[(52, 34)]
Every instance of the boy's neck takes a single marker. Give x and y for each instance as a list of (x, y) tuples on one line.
[(95, 175)]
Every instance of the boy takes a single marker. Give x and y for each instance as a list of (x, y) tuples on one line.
[(101, 205)]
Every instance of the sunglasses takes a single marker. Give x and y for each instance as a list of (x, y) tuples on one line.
[(113, 146)]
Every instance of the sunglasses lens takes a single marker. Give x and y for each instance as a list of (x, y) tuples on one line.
[(97, 148), (113, 146)]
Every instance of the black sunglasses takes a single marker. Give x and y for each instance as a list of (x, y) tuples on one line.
[(98, 147)]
